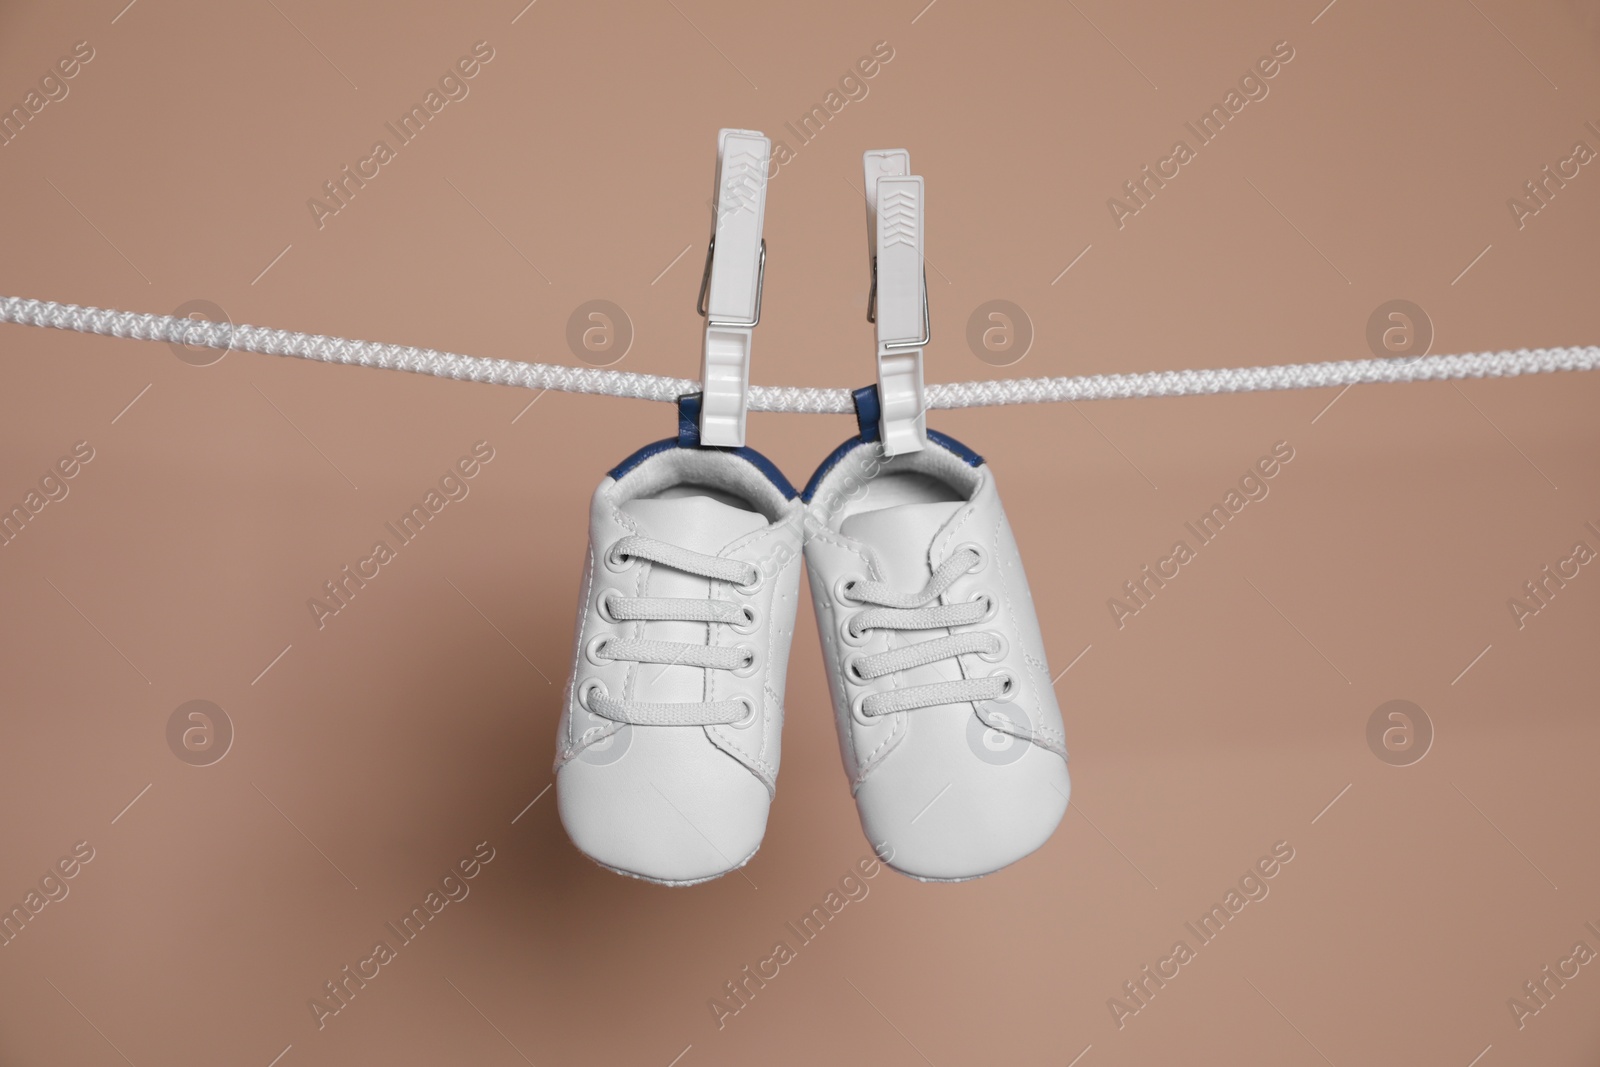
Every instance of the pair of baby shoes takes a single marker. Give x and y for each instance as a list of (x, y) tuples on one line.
[(668, 747)]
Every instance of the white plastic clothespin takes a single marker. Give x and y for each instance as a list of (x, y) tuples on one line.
[(898, 302), (730, 291)]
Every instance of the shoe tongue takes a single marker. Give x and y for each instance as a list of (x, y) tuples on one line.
[(902, 536), (699, 523)]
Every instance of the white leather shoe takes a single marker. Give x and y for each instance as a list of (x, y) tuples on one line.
[(667, 752), (947, 719)]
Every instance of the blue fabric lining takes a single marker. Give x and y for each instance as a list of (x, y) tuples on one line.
[(967, 455), (689, 420), (643, 454), (868, 412), (689, 437)]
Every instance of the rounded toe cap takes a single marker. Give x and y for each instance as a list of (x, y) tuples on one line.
[(956, 818), (674, 810)]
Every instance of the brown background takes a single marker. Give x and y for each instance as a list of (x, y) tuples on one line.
[(419, 722)]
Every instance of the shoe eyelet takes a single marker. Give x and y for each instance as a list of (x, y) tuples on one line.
[(983, 555), (847, 636), (842, 587), (852, 669), (751, 663), (594, 651), (602, 605), (752, 620), (755, 584), (749, 714), (615, 561), (1007, 694), (990, 608), (586, 693), (998, 654), (858, 710)]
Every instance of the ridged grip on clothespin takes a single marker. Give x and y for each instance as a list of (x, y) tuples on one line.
[(901, 310), (881, 163), (730, 292)]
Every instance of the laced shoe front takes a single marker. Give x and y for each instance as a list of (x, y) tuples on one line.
[(668, 748), (948, 724)]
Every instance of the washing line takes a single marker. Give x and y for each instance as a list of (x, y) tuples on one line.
[(604, 382)]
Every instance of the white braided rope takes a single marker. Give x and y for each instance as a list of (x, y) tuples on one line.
[(593, 380), (1257, 379)]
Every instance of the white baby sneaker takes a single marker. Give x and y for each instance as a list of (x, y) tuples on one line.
[(947, 719), (667, 752)]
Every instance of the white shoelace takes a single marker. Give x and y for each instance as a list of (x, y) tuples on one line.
[(594, 381), (743, 576), (894, 610)]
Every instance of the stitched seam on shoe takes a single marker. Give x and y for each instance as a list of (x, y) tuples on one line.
[(1040, 668), (772, 634), (967, 511), (1041, 736), (872, 757), (863, 764), (762, 768), (1051, 740), (569, 749), (754, 539), (626, 522), (823, 533), (899, 720), (757, 761)]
